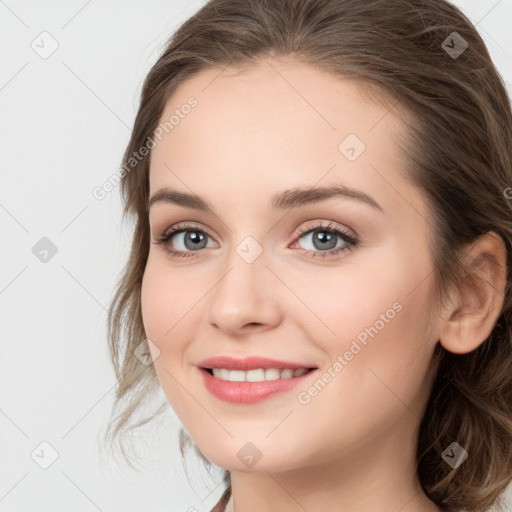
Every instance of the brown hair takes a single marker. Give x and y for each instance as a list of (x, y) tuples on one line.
[(459, 149)]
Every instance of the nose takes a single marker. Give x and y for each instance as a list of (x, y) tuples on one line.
[(246, 298)]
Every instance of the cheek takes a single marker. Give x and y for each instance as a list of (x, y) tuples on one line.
[(171, 313), (375, 315), (337, 304), (162, 301), (162, 307), (383, 371), (166, 296), (154, 302)]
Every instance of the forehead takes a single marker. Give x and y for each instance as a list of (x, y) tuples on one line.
[(277, 122), (276, 94)]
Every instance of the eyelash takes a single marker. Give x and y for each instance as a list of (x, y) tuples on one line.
[(350, 241)]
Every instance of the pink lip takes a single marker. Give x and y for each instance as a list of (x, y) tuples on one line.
[(248, 363), (248, 392)]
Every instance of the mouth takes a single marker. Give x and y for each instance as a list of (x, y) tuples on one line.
[(252, 379), (257, 374)]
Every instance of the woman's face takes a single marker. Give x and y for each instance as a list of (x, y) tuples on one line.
[(260, 276)]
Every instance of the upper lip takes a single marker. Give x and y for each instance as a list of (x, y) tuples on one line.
[(249, 363)]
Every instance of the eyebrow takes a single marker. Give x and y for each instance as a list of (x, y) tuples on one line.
[(285, 200)]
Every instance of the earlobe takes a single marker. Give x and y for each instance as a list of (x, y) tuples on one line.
[(472, 314)]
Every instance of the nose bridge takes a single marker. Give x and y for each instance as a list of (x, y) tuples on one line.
[(246, 256), (244, 274), (243, 295)]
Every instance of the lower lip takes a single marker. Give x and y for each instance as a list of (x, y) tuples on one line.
[(249, 392)]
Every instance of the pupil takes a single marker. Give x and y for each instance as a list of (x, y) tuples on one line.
[(194, 237), (324, 237)]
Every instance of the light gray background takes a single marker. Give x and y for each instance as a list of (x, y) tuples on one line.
[(65, 121)]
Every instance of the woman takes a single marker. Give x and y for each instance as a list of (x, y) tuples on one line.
[(320, 258)]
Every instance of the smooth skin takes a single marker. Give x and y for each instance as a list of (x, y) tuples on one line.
[(256, 132)]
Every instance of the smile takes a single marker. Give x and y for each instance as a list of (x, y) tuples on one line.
[(251, 379), (256, 375)]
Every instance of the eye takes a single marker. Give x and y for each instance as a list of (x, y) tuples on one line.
[(189, 239), (183, 240), (326, 240)]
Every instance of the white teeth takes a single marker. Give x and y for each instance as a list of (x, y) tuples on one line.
[(254, 375), (272, 374), (257, 375), (236, 375), (286, 374), (222, 373)]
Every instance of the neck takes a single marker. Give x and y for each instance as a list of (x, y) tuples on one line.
[(376, 476)]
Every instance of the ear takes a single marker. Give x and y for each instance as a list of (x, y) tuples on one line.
[(471, 316)]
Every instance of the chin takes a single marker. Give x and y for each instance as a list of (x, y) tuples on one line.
[(249, 457)]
